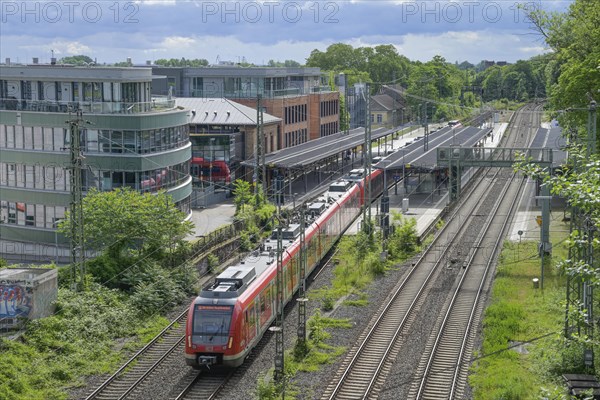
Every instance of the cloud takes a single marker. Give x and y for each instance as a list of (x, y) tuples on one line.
[(282, 30)]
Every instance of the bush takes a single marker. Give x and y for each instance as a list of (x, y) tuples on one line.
[(328, 301), (212, 262), (374, 264), (155, 288), (108, 270)]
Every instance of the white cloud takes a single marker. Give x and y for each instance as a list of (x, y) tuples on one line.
[(110, 47), (156, 2), (177, 43), (60, 48)]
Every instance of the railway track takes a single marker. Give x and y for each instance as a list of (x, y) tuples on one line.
[(443, 370), (364, 371), (139, 367)]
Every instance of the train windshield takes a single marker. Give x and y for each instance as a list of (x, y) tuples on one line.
[(211, 324)]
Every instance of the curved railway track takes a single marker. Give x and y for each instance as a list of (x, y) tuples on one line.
[(365, 369)]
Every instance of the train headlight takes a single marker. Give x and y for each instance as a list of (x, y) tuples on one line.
[(189, 340), (230, 341)]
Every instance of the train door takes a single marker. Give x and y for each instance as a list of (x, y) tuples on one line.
[(250, 322), (265, 306)]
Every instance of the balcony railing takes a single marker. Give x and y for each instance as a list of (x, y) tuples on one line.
[(106, 107)]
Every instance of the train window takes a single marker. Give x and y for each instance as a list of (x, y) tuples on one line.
[(211, 323)]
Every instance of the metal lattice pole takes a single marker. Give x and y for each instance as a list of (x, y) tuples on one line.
[(302, 300), (279, 375), (76, 205), (257, 149)]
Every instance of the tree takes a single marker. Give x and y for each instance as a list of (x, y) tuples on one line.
[(183, 62), (76, 60), (574, 37), (344, 115), (286, 63), (123, 219), (242, 192)]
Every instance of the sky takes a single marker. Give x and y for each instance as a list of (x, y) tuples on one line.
[(258, 31)]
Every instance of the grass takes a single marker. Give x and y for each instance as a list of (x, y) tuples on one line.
[(520, 313)]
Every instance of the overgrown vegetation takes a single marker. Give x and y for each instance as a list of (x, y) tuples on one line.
[(307, 356), (86, 335), (256, 212), (138, 274), (521, 314)]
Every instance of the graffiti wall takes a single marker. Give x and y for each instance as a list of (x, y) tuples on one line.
[(15, 301), (25, 294)]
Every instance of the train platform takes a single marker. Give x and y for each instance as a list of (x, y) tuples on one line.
[(425, 208)]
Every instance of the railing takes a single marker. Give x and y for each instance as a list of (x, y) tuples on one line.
[(106, 107), (217, 236)]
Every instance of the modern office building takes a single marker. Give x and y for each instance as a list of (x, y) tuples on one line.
[(308, 108), (129, 138)]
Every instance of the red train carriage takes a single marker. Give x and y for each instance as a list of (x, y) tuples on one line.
[(230, 316)]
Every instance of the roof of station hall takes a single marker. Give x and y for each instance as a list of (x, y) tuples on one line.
[(314, 151), (220, 111)]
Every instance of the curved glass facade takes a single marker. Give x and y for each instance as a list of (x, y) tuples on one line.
[(129, 139)]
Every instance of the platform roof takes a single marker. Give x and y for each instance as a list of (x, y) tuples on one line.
[(415, 155), (303, 155), (551, 138), (311, 152)]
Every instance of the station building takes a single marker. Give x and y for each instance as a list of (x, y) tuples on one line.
[(130, 138)]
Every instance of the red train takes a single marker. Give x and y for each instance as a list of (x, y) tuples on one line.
[(231, 314), (216, 171)]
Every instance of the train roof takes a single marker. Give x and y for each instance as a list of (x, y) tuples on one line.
[(234, 280)]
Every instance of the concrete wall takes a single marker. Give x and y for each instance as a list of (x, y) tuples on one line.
[(26, 294)]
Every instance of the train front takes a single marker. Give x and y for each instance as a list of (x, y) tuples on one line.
[(214, 328), (209, 336)]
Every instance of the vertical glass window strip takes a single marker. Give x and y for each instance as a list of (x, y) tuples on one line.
[(104, 141), (59, 139), (38, 138), (3, 174), (38, 171), (59, 179), (2, 136), (29, 177), (45, 136), (41, 88), (29, 214), (49, 178), (28, 138), (39, 216), (18, 137), (50, 217), (75, 91), (10, 137)]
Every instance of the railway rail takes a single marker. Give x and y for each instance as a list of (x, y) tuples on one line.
[(365, 369), (139, 367), (444, 368)]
